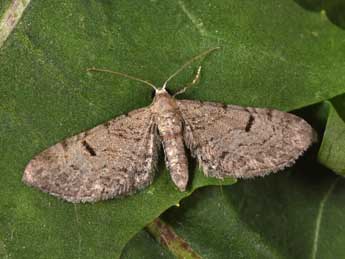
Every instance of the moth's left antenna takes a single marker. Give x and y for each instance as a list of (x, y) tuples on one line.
[(121, 74)]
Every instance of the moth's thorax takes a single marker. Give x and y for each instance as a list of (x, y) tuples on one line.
[(166, 113)]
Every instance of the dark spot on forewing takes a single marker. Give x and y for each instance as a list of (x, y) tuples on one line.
[(74, 167), (249, 123), (64, 145), (88, 148), (269, 114), (223, 155)]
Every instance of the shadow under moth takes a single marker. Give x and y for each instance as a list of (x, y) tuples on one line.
[(119, 156)]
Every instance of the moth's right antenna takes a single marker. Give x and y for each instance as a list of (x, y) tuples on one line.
[(188, 63), (121, 74)]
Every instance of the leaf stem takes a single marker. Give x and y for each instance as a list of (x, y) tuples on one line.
[(167, 237)]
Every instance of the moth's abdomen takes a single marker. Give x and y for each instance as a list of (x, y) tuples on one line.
[(170, 130)]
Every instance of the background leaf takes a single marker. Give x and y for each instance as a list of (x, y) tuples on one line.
[(145, 247), (273, 54), (296, 214), (3, 5), (332, 151)]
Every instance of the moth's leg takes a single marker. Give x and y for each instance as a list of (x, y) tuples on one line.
[(195, 80)]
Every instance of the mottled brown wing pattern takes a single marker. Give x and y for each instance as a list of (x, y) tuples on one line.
[(112, 159), (242, 142)]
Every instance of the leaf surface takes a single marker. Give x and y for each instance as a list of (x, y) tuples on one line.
[(269, 58), (297, 214), (332, 150)]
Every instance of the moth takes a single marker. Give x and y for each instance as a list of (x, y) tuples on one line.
[(119, 156)]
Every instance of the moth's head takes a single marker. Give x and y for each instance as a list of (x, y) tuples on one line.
[(161, 94), (162, 91), (163, 101)]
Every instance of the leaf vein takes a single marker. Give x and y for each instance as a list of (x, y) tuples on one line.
[(79, 235), (197, 22), (319, 218)]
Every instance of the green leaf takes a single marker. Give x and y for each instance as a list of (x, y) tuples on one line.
[(295, 214), (4, 4), (145, 247), (268, 58), (332, 151)]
